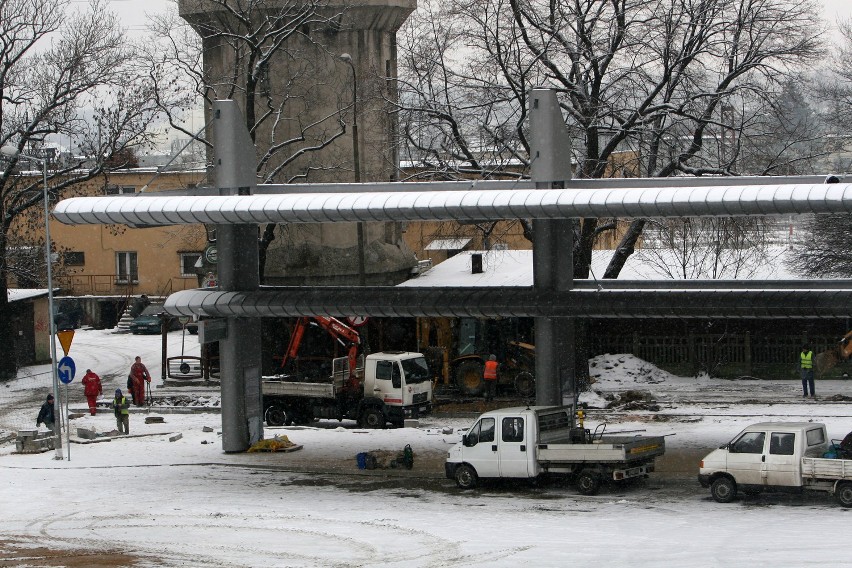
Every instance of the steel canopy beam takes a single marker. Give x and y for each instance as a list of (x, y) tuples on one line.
[(519, 302)]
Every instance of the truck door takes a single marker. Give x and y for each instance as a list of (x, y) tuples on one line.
[(781, 465), (746, 458), (513, 451), (480, 448)]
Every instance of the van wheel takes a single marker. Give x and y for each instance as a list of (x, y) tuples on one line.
[(844, 494), (466, 477), (372, 418), (588, 483), (723, 489)]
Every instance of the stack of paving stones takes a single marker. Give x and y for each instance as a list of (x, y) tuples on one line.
[(34, 442)]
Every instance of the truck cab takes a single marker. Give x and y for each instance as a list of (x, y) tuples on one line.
[(499, 444), (398, 383), (764, 455)]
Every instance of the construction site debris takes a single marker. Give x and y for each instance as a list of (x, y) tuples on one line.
[(275, 444)]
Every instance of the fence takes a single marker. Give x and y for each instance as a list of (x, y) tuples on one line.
[(21, 399), (110, 285), (724, 355)]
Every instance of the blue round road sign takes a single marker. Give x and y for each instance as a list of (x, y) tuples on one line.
[(66, 369)]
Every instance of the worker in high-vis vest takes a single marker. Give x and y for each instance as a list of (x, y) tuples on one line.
[(806, 363), (490, 377), (121, 408)]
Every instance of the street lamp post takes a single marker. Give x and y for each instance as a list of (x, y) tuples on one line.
[(12, 152), (356, 158)]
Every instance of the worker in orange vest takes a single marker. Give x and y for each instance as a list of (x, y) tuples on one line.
[(490, 377)]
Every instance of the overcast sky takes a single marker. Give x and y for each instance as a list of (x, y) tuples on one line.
[(133, 11)]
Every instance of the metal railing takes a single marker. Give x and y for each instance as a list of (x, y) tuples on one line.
[(111, 285)]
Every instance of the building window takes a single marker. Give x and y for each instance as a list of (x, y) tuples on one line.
[(74, 258), (126, 269), (188, 261), (119, 189)]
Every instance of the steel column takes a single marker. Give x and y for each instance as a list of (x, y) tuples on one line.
[(552, 251), (238, 267)]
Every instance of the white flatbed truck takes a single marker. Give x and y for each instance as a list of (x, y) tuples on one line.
[(776, 456), (526, 442), (388, 386)]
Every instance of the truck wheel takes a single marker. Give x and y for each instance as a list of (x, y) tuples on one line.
[(466, 477), (525, 384), (275, 415), (844, 494), (723, 489), (469, 377), (588, 483), (372, 418)]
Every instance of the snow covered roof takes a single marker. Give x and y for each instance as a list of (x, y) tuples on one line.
[(447, 244), (19, 294), (515, 268)]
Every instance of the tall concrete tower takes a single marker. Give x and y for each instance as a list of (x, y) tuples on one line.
[(281, 61)]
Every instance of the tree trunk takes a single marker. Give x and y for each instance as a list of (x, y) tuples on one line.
[(626, 247)]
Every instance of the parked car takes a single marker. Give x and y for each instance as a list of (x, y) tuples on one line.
[(151, 321)]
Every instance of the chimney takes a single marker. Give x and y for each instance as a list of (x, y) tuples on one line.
[(476, 263)]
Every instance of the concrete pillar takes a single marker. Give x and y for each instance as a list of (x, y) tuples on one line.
[(311, 94), (553, 247)]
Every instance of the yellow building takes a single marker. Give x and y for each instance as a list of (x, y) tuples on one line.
[(111, 260)]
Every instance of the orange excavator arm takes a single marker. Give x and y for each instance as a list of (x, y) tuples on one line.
[(295, 340), (336, 328), (345, 335)]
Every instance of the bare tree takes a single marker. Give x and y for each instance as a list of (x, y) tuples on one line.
[(822, 252), (649, 88), (706, 248), (62, 73)]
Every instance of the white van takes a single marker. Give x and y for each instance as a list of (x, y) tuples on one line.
[(776, 456)]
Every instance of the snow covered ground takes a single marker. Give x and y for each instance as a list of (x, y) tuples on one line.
[(145, 501)]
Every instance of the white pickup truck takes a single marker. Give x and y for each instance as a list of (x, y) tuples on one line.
[(525, 442), (776, 456)]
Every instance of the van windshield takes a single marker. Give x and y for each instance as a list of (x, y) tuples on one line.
[(416, 370)]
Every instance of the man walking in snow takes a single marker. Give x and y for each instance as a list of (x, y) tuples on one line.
[(92, 389), (46, 414), (139, 374)]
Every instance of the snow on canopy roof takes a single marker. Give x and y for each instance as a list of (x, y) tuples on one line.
[(515, 268), (20, 294), (447, 244)]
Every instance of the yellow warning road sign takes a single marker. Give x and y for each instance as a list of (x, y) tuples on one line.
[(65, 339)]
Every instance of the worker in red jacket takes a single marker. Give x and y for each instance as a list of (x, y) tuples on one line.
[(92, 389), (490, 377), (139, 374)]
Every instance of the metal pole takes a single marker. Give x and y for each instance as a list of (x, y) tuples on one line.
[(49, 260), (13, 152), (356, 158)]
